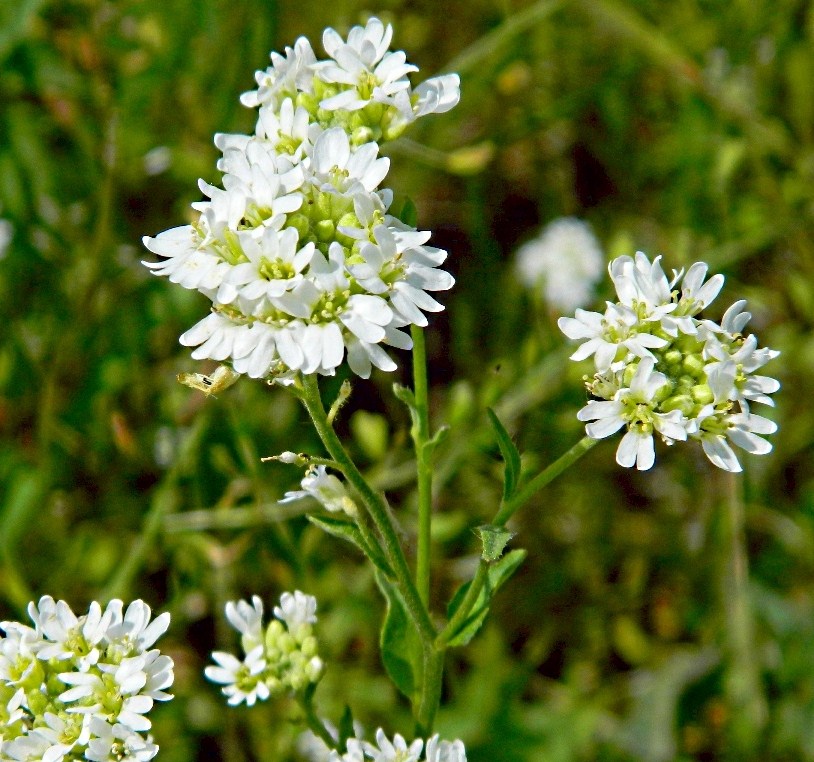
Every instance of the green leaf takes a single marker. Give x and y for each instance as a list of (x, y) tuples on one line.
[(409, 213), (347, 530), (494, 541), (497, 574), (400, 645), (510, 453)]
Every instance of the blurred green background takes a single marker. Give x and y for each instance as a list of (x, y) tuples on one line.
[(632, 632)]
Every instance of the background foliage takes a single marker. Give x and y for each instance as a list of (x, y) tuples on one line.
[(631, 632)]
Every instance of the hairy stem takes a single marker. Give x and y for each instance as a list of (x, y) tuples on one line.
[(376, 507), (522, 496)]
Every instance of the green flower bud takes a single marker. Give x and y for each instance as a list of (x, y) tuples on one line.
[(702, 394), (693, 364), (325, 230), (682, 402)]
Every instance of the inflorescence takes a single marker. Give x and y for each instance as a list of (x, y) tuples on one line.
[(278, 659), (297, 250), (76, 688), (662, 369)]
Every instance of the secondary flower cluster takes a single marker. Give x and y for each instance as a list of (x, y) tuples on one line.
[(662, 369), (297, 251), (281, 659), (80, 687), (398, 750), (563, 264)]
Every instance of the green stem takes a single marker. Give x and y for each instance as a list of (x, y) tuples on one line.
[(421, 436), (376, 508), (430, 689), (742, 680), (507, 510), (315, 725), (522, 496), (471, 597)]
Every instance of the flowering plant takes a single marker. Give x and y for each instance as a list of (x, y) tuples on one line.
[(307, 267)]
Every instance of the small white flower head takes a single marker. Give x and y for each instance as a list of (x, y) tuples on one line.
[(247, 619), (395, 751), (287, 75), (563, 264), (445, 751), (278, 244), (296, 609), (243, 681), (325, 488), (280, 658), (663, 369)]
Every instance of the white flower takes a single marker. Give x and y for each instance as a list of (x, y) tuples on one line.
[(326, 488), (132, 633), (296, 609), (445, 751), (395, 751), (564, 262), (399, 266), (188, 261), (69, 636), (274, 266), (338, 169), (619, 328), (247, 619), (242, 680), (363, 66), (742, 429), (286, 75), (62, 734), (117, 742), (635, 407)]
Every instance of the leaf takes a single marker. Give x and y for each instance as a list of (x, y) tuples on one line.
[(347, 530), (494, 541), (510, 453), (409, 213), (497, 574), (400, 645)]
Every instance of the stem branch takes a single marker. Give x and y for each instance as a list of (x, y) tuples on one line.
[(421, 435)]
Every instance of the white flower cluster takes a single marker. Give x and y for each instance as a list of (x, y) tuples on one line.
[(398, 750), (563, 263), (662, 369), (281, 659), (297, 251), (79, 687)]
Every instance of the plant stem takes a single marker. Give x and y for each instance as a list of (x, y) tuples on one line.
[(315, 725), (507, 510), (430, 689), (471, 597), (421, 436), (522, 496), (742, 681), (376, 508)]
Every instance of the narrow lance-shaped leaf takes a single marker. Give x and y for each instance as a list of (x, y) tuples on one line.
[(497, 574), (509, 452), (347, 530)]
